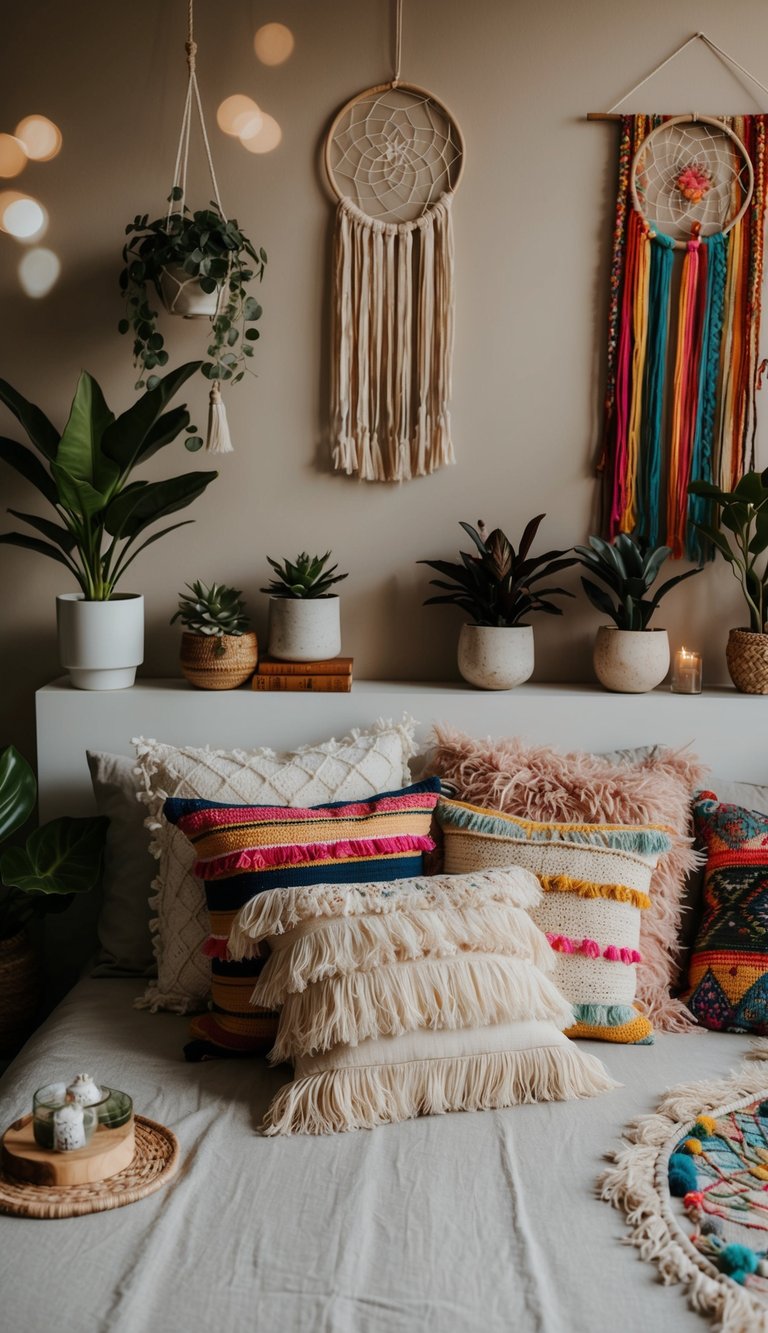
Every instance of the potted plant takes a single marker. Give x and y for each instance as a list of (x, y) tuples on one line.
[(304, 621), (199, 264), (742, 539), (628, 657), (85, 474), (498, 589), (58, 860), (218, 649)]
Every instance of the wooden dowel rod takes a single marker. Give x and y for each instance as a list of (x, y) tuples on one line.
[(603, 115)]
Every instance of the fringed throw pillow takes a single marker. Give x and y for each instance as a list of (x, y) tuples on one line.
[(650, 786), (241, 851), (596, 880), (414, 998)]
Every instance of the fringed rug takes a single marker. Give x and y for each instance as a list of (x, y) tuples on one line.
[(693, 1182)]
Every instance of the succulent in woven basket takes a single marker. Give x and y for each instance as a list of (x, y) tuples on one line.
[(217, 611), (304, 577), (629, 570)]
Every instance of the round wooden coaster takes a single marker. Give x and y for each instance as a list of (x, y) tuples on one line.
[(155, 1162)]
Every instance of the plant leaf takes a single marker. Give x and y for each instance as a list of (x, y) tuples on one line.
[(124, 439), (79, 453), (34, 544), (18, 791), (24, 462), (64, 856), (55, 532), (76, 495), (137, 507), (599, 599), (165, 430), (43, 435)]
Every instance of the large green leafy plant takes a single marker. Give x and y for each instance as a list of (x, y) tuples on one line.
[(211, 249), (499, 585), (58, 860), (628, 570), (742, 537), (84, 473)]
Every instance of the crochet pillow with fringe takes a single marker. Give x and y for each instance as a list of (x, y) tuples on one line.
[(596, 879), (242, 851), (651, 786)]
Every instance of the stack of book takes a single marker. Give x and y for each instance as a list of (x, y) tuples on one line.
[(331, 677)]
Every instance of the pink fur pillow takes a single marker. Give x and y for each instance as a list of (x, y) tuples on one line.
[(537, 782)]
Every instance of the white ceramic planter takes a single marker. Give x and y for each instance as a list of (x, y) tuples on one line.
[(183, 295), (304, 629), (101, 643), (496, 659), (631, 661)]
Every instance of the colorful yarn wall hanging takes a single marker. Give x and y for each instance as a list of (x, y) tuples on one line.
[(684, 320)]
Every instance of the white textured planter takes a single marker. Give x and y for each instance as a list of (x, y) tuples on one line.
[(183, 295), (631, 661), (101, 643), (496, 659), (304, 629)]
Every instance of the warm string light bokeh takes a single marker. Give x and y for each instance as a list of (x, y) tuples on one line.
[(22, 217), (239, 115)]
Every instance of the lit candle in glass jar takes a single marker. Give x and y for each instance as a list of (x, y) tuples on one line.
[(686, 672)]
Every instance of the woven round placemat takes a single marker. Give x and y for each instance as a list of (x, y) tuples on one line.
[(155, 1162)]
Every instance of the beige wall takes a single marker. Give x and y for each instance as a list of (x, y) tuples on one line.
[(533, 223)]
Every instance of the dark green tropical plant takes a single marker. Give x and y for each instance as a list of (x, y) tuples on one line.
[(58, 860), (743, 513), (306, 576), (217, 612), (84, 472), (211, 249), (629, 570), (499, 585)]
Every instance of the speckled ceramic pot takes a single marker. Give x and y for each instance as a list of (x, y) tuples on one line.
[(631, 661), (495, 659)]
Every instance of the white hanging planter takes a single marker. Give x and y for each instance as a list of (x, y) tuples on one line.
[(183, 295), (101, 643), (630, 661), (304, 629), (496, 658)]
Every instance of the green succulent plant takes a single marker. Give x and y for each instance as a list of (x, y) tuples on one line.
[(628, 569), (497, 586), (744, 513), (216, 611), (306, 576)]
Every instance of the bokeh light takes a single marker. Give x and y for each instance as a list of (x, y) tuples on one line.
[(21, 216), (13, 158), (238, 115), (268, 137), (38, 271), (40, 137), (273, 43)]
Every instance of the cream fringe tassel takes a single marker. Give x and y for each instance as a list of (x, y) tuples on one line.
[(472, 990), (321, 949), (270, 914), (362, 1098), (219, 440), (393, 317), (637, 1183)]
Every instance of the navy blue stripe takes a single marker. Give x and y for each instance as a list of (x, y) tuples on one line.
[(229, 895)]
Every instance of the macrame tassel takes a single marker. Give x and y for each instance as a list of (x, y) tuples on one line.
[(649, 486), (219, 440)]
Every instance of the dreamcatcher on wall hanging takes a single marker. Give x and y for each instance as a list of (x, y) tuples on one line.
[(683, 361), (393, 157)]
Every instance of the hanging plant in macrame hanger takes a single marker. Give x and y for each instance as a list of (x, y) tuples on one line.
[(199, 264), (393, 157)]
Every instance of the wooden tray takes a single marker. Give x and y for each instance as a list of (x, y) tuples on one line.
[(109, 1151)]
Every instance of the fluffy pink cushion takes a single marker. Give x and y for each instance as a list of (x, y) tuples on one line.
[(541, 783)]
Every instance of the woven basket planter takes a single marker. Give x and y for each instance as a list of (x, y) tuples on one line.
[(209, 670), (19, 991), (747, 658)]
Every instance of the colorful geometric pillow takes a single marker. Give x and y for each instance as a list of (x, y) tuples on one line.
[(243, 851), (353, 768), (728, 974), (653, 785), (596, 879), (410, 999)]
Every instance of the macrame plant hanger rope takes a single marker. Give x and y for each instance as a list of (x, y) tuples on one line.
[(393, 158), (697, 184), (218, 439)]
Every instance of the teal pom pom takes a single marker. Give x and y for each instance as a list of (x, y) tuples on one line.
[(682, 1175), (738, 1261)]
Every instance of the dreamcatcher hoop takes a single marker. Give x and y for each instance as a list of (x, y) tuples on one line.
[(679, 167)]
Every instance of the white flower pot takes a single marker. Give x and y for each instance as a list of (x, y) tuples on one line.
[(101, 643), (183, 295), (631, 661), (496, 659), (304, 629)]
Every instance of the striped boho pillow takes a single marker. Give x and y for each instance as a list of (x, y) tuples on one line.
[(243, 850), (596, 879)]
